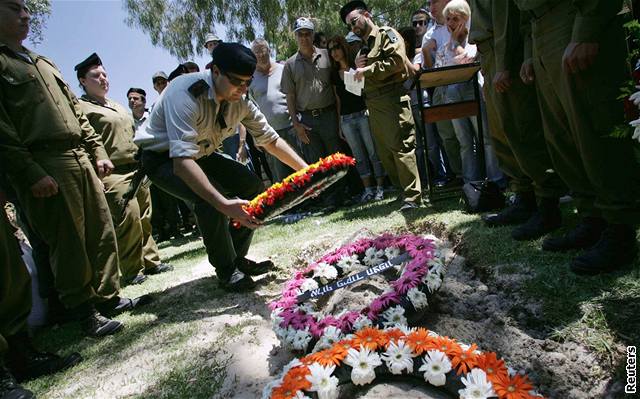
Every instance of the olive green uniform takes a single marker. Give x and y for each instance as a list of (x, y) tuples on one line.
[(43, 133), (514, 116), (136, 247), (390, 115), (580, 110), (15, 285)]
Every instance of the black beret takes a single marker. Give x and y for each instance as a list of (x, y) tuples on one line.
[(350, 6), (180, 70), (137, 90), (83, 67), (235, 58)]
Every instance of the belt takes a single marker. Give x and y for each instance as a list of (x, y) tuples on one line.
[(125, 168), (55, 145), (316, 112)]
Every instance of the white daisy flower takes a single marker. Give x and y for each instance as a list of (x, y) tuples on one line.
[(476, 386), (394, 316), (306, 307), (373, 256), (433, 281), (266, 392), (349, 262), (331, 335), (436, 365), (363, 363), (322, 382), (361, 322), (391, 252), (307, 285), (435, 266), (398, 357), (325, 272), (300, 395), (418, 298), (299, 339)]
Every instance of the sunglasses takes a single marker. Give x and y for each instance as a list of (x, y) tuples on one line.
[(419, 23), (237, 82)]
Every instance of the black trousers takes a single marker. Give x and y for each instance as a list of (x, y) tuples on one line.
[(224, 243)]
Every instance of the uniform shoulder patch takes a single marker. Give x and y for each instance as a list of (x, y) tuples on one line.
[(392, 35), (198, 88)]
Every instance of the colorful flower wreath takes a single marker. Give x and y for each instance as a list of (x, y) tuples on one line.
[(299, 326), (299, 186), (461, 370)]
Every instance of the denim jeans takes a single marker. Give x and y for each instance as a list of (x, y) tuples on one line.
[(355, 128), (323, 137), (223, 242)]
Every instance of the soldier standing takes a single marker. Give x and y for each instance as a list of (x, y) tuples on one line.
[(384, 69)]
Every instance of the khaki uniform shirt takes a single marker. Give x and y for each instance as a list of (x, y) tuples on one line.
[(591, 19), (498, 21), (114, 123), (310, 81), (386, 66), (37, 107), (187, 120)]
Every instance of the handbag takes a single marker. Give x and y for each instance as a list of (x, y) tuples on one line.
[(482, 196)]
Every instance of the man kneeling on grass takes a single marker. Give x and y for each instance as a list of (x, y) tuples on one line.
[(179, 140)]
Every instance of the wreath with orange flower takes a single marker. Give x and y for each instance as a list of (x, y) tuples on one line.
[(299, 186), (416, 353)]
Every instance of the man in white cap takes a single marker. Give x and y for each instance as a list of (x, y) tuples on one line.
[(211, 41), (160, 81)]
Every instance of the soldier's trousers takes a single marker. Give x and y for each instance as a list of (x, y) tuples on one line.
[(224, 243), (76, 225), (517, 133), (15, 285), (137, 249), (579, 113), (394, 133)]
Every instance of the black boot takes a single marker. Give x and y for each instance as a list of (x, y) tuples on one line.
[(518, 212), (93, 323), (9, 388), (583, 236), (26, 363), (546, 219), (616, 248)]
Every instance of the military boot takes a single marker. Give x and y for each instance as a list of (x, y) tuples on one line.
[(616, 248), (518, 212), (9, 388), (546, 219), (26, 362), (583, 236)]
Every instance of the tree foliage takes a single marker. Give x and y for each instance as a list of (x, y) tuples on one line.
[(181, 25), (40, 11)]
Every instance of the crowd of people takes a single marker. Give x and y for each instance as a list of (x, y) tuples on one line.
[(74, 168)]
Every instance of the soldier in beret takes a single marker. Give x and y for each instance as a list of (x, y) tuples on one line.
[(180, 139)]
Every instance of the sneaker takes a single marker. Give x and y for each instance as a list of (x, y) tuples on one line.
[(237, 282), (379, 195), (545, 220), (27, 363), (9, 387), (408, 206), (518, 212), (585, 235), (161, 268), (367, 196), (252, 268), (96, 325), (616, 249)]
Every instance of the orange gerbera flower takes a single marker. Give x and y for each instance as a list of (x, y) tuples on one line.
[(444, 344), (283, 392), (328, 357), (516, 387), (296, 378), (370, 337), (491, 365), (419, 340), (394, 334), (464, 360)]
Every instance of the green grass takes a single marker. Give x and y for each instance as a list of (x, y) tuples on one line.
[(175, 347)]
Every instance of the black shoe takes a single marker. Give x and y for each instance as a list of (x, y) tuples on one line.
[(26, 363), (616, 249), (138, 279), (408, 206), (251, 268), (96, 325), (161, 268), (238, 282), (545, 220), (522, 208), (9, 388), (117, 305), (583, 236)]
